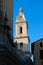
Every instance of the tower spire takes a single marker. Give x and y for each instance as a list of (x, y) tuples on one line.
[(21, 9), (21, 17)]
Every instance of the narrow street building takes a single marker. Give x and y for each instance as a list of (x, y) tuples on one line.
[(37, 51)]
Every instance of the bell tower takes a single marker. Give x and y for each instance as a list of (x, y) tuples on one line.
[(22, 32)]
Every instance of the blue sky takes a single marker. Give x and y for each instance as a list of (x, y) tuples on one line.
[(33, 10)]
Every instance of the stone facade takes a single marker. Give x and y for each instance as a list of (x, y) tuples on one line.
[(37, 51), (7, 7), (22, 32), (6, 12)]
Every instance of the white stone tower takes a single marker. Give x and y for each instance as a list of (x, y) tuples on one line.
[(22, 32)]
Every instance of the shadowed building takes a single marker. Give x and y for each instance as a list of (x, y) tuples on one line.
[(37, 51), (6, 11), (7, 7)]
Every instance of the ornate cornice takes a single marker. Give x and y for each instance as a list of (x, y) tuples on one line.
[(22, 37)]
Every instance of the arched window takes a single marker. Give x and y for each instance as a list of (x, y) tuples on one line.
[(21, 44), (20, 29)]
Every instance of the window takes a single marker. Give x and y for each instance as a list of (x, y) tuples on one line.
[(21, 44), (41, 45), (20, 29), (41, 54)]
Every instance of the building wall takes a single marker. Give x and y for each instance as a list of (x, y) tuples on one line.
[(21, 39), (24, 29), (8, 7), (37, 53)]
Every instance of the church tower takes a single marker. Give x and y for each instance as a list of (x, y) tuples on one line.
[(22, 32)]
